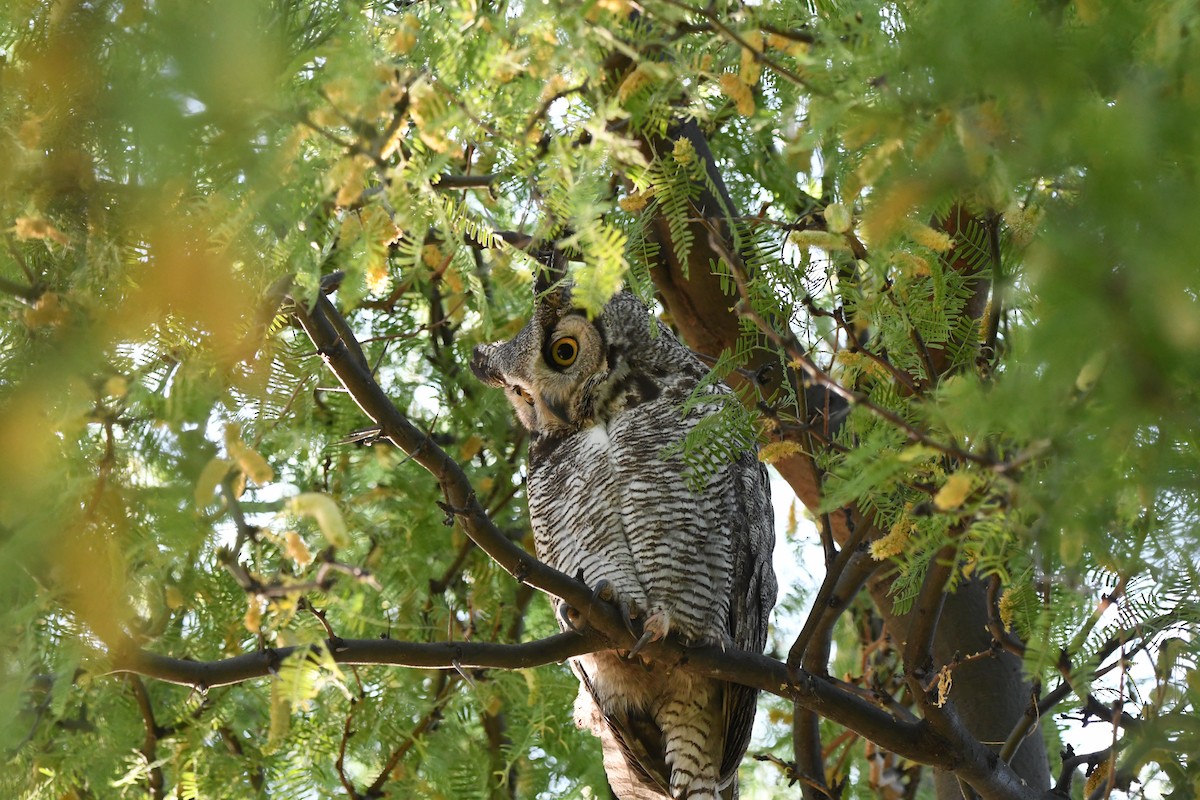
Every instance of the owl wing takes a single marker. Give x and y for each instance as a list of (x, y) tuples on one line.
[(633, 749), (633, 743), (753, 592)]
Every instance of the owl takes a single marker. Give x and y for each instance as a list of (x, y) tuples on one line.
[(604, 400)]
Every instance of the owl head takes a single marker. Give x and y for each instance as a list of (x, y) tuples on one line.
[(564, 371)]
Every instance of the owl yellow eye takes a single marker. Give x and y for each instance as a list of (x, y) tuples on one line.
[(564, 351)]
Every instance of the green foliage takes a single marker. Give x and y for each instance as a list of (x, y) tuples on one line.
[(172, 170)]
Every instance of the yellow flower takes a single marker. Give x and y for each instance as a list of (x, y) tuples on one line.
[(778, 451), (1007, 608), (683, 152), (750, 69), (644, 75), (821, 239), (893, 543), (739, 93), (938, 241), (636, 201)]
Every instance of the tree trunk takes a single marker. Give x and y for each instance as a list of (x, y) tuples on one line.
[(990, 694)]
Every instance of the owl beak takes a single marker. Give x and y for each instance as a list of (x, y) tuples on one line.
[(483, 367)]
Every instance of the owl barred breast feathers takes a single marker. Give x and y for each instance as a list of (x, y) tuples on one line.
[(603, 400)]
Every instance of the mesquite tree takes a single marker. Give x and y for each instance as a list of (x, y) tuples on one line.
[(266, 536)]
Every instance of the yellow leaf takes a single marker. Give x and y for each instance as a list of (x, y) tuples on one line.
[(431, 256), (252, 464), (33, 227), (253, 617), (470, 448), (350, 176), (789, 46), (778, 451), (916, 452), (116, 386), (210, 478), (1091, 372), (255, 466), (47, 312), (405, 36), (954, 492), (325, 513), (532, 686), (92, 573), (1070, 546), (296, 549), (618, 8), (280, 718), (454, 281), (173, 597)]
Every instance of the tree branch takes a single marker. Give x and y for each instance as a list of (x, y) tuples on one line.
[(206, 675), (150, 742)]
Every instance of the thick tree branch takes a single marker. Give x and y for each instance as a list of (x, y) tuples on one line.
[(424, 655)]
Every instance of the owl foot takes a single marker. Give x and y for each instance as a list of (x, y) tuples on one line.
[(657, 626), (569, 619), (603, 591)]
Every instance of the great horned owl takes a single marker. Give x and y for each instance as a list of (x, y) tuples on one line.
[(603, 400)]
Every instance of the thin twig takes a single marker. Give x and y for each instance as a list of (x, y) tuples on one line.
[(758, 54)]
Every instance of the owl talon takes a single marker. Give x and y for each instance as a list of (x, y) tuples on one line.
[(568, 616), (656, 627), (646, 639), (623, 607), (603, 591)]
